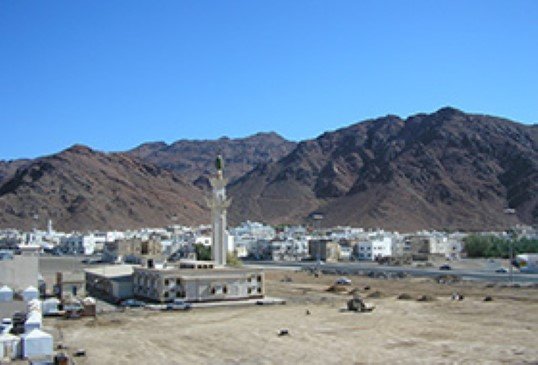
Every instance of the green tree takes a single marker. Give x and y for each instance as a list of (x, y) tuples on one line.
[(233, 260), (493, 246), (203, 253)]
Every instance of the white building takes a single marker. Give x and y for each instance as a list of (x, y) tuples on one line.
[(253, 231), (9, 346), (444, 245), (204, 240), (36, 344), (6, 294), (30, 293), (288, 249), (83, 244), (377, 247)]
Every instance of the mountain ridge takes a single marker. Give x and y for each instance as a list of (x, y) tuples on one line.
[(443, 170), (80, 188), (387, 164)]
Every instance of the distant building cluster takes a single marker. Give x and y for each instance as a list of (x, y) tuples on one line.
[(249, 240)]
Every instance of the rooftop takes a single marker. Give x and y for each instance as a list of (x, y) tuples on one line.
[(112, 271), (204, 273)]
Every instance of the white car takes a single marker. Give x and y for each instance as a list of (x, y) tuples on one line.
[(178, 304), (343, 281)]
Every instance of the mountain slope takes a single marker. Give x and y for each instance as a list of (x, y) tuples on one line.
[(83, 189), (9, 168), (445, 170), (194, 160)]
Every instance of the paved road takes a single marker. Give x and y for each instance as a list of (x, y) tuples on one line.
[(49, 265), (488, 275)]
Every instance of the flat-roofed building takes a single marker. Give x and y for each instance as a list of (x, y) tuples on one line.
[(324, 250), (129, 249), (70, 283), (112, 283), (197, 285), (19, 272)]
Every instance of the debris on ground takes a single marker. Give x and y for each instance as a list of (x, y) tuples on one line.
[(284, 332), (61, 358), (457, 296), (404, 296), (425, 298), (307, 312), (79, 353), (286, 279), (448, 279), (376, 294), (336, 288), (488, 298), (356, 304)]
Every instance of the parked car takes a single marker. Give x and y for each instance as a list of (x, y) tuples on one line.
[(501, 270), (343, 281), (445, 267), (132, 303), (178, 304)]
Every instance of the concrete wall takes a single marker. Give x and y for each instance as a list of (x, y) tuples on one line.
[(222, 289), (122, 289), (20, 272)]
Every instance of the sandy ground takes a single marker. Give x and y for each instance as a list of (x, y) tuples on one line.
[(398, 331)]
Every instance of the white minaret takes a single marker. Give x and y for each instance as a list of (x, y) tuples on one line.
[(218, 204)]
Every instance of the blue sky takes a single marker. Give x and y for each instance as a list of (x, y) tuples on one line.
[(114, 74)]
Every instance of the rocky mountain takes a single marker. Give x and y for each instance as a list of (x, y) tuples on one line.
[(8, 168), (194, 159), (84, 189), (445, 170)]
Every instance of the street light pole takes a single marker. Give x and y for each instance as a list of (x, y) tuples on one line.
[(511, 234), (511, 257), (511, 260), (317, 217)]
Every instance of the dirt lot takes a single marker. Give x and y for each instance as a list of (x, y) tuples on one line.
[(398, 331)]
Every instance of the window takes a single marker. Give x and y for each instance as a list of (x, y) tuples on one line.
[(213, 290), (225, 289), (259, 289), (166, 294), (166, 281), (259, 278), (178, 281)]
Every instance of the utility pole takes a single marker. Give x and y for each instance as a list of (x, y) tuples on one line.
[(511, 256), (511, 234)]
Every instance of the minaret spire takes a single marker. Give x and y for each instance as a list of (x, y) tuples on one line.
[(219, 205)]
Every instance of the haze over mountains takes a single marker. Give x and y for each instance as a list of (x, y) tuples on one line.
[(445, 170)]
